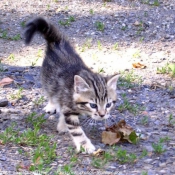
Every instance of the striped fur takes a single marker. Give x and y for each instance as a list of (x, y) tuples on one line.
[(71, 87)]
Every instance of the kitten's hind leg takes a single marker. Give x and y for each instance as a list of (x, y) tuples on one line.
[(52, 107), (79, 137)]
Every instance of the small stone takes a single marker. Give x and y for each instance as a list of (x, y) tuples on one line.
[(148, 160), (3, 158), (167, 36), (3, 102)]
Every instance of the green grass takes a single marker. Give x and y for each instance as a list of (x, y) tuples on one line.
[(136, 54), (124, 157), (169, 68), (4, 35), (67, 22), (116, 46), (129, 80), (39, 101), (126, 105), (148, 2), (99, 45), (100, 162), (18, 94), (11, 57), (91, 11), (43, 151), (144, 120), (23, 24), (17, 37), (87, 44), (100, 26), (159, 147), (171, 120)]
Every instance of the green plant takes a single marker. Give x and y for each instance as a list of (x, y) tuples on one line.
[(101, 70), (156, 3), (16, 37), (100, 26), (11, 57), (144, 120), (172, 69), (43, 151), (129, 80), (99, 45), (100, 162), (9, 135), (39, 101), (67, 22), (3, 34), (34, 62), (48, 6), (136, 54), (158, 148), (167, 69), (124, 157), (35, 120), (164, 139), (163, 70), (116, 46), (87, 44), (171, 120), (144, 153), (124, 27), (144, 173), (126, 105), (91, 11), (18, 94), (23, 23)]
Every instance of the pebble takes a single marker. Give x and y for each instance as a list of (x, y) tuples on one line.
[(3, 158), (3, 102)]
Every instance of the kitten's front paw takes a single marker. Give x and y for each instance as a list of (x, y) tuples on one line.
[(50, 109), (88, 147)]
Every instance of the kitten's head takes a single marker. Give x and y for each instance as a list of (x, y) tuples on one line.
[(95, 95)]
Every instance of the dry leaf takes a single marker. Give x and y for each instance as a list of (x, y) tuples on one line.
[(110, 138), (139, 65), (99, 152), (6, 81), (119, 132), (22, 166)]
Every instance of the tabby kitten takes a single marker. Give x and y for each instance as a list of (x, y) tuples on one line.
[(72, 88)]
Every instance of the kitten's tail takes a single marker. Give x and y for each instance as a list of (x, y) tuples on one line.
[(42, 26)]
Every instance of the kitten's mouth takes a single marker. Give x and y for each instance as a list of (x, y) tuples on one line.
[(96, 117)]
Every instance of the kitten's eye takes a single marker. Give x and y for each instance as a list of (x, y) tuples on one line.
[(108, 105), (93, 105)]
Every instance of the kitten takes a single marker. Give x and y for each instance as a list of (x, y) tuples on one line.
[(72, 88)]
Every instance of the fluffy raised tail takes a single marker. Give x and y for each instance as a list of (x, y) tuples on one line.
[(40, 25)]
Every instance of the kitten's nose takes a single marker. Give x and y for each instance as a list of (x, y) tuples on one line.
[(102, 116)]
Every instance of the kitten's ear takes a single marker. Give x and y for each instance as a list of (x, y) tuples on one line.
[(80, 84), (112, 82)]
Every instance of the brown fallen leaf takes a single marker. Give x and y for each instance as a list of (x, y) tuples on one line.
[(6, 81), (110, 138), (119, 132), (22, 166), (99, 152), (139, 65)]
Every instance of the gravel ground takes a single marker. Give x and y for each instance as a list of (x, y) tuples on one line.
[(134, 31)]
